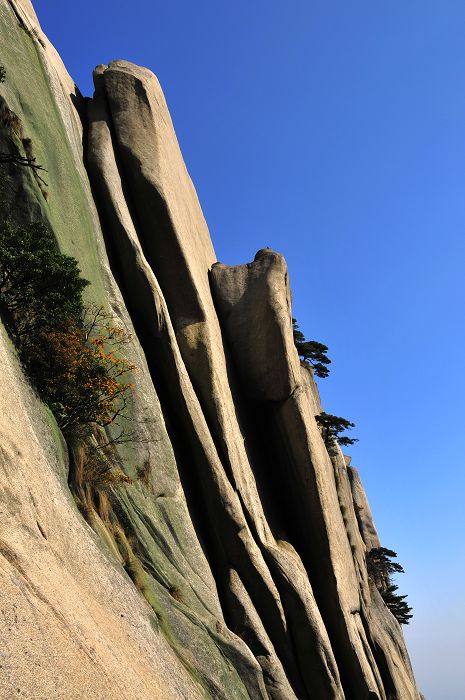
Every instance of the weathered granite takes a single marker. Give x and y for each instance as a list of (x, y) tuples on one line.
[(72, 623), (158, 513), (153, 321), (254, 303), (319, 507), (363, 510), (390, 651), (246, 540)]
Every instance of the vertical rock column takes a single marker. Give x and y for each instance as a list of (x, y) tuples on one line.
[(253, 302)]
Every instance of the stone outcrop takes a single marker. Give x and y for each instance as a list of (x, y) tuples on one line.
[(234, 564), (254, 304)]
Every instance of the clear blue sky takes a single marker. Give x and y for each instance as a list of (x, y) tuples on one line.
[(334, 133)]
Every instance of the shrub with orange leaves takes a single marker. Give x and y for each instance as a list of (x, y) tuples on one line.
[(73, 354), (80, 371)]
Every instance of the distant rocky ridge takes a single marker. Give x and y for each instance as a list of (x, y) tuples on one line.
[(236, 566)]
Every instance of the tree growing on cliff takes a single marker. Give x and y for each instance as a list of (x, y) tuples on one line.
[(380, 564), (72, 353), (81, 373), (397, 605), (311, 351), (380, 567), (331, 428), (39, 286)]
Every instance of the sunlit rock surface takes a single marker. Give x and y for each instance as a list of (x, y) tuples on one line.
[(234, 564)]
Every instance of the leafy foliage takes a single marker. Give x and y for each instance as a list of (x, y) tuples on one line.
[(72, 353), (79, 372), (331, 427), (311, 351), (380, 567), (40, 288), (2, 74)]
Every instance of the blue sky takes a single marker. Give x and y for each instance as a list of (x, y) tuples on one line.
[(334, 133)]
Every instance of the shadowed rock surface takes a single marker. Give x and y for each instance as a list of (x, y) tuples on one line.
[(234, 564)]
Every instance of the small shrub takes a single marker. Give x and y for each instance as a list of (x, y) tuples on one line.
[(101, 470), (80, 375), (95, 465), (379, 564), (397, 604), (175, 593), (9, 120)]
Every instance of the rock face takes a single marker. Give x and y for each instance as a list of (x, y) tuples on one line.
[(254, 304), (362, 508), (234, 564)]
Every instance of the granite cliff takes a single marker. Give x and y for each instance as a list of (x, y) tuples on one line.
[(234, 564)]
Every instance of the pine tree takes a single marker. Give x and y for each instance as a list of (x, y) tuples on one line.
[(380, 568), (397, 605), (379, 562), (311, 351), (331, 427)]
